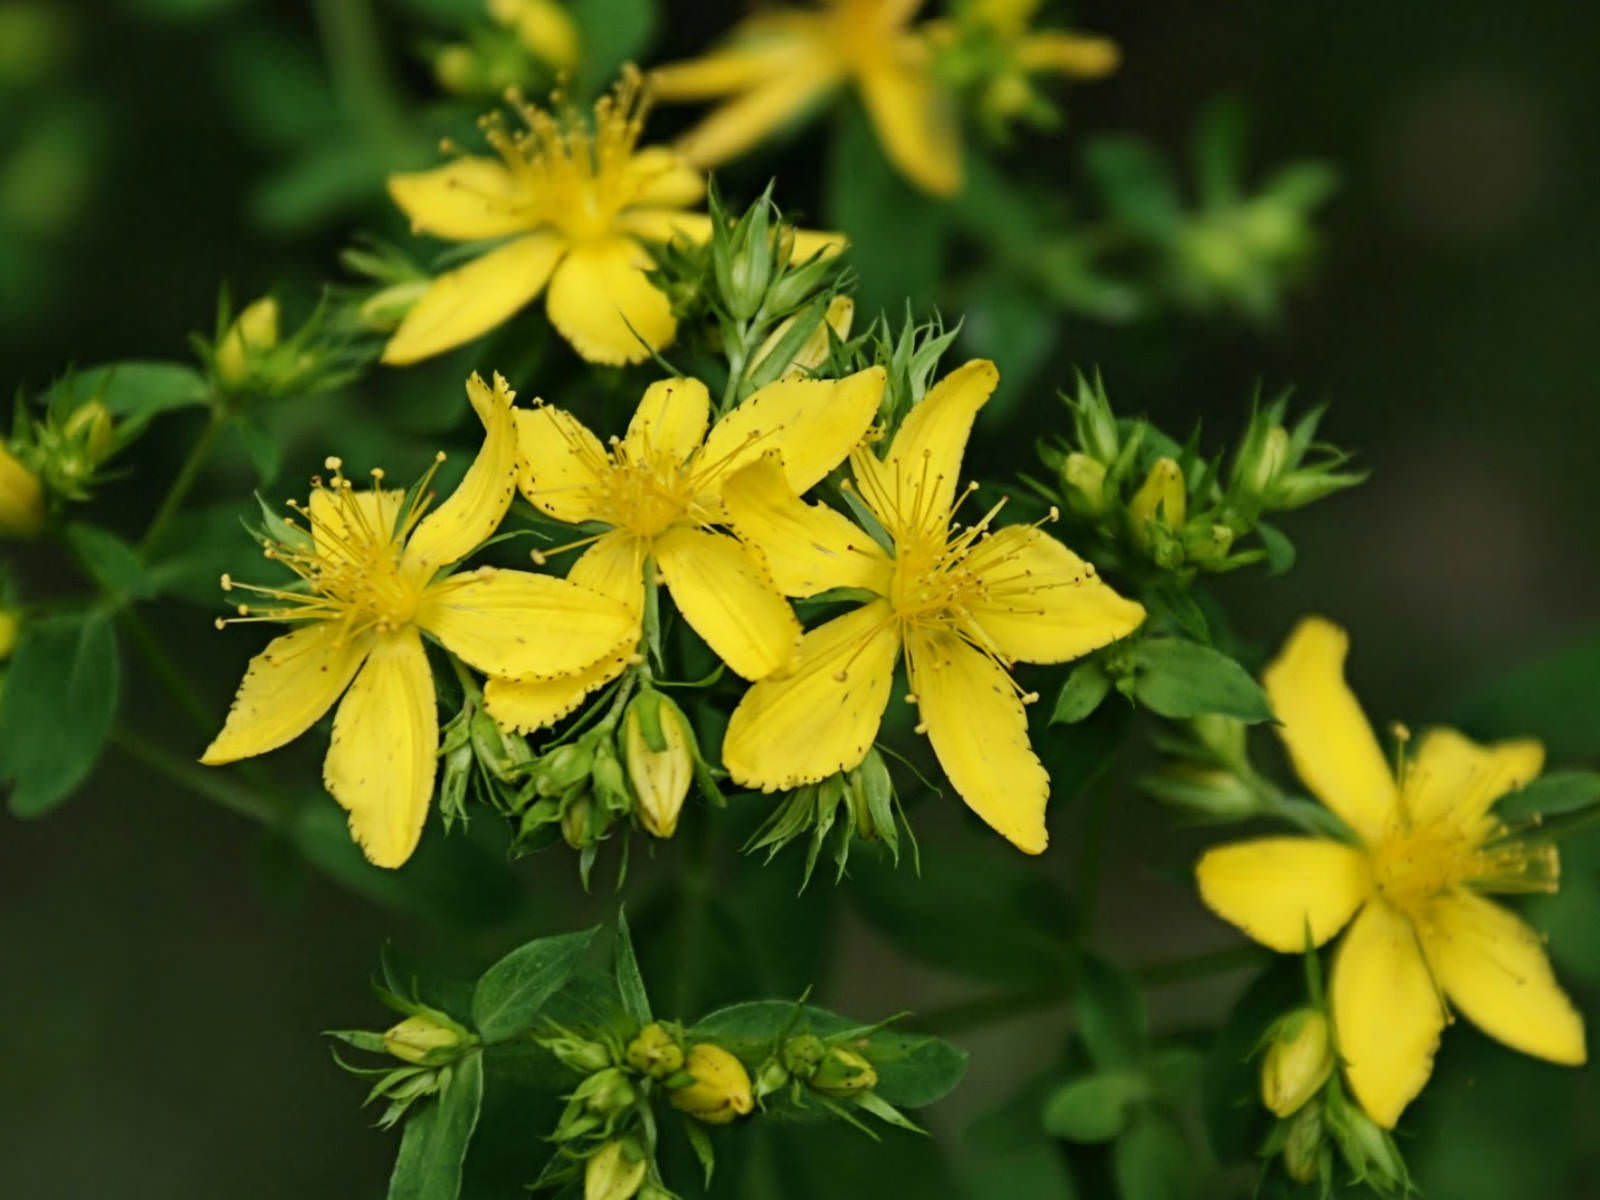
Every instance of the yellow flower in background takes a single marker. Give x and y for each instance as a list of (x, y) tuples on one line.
[(1026, 52), (21, 498), (779, 64), (370, 564), (657, 491), (578, 207), (543, 27), (963, 603), (1427, 849)]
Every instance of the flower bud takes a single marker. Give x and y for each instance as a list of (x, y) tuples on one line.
[(255, 330), (813, 352), (804, 1054), (720, 1090), (577, 822), (1271, 457), (422, 1039), (1302, 1146), (543, 28), (578, 1054), (607, 1092), (1161, 498), (563, 768), (1208, 545), (614, 1172), (21, 498), (1209, 793), (90, 428), (771, 1076), (1083, 484), (459, 70), (383, 311), (1367, 1149), (655, 1052), (842, 1072), (1298, 1061), (608, 781), (660, 774), (9, 626)]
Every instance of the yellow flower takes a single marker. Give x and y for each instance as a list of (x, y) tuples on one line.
[(657, 490), (1050, 50), (578, 209), (963, 603), (1427, 849), (371, 568), (781, 63), (21, 498), (543, 27)]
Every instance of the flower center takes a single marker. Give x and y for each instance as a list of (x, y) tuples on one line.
[(646, 497), (1413, 865), (931, 586), (862, 32)]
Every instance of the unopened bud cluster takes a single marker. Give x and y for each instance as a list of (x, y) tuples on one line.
[(251, 358), (858, 804), (55, 457), (523, 43)]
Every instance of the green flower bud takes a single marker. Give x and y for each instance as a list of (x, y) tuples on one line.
[(562, 768), (1298, 1061), (607, 1092), (1302, 1145), (771, 1076), (423, 1039), (579, 1054), (383, 311), (720, 1090), (90, 427), (660, 774), (1083, 484), (608, 781), (252, 333), (1161, 499), (9, 627), (1210, 793), (1208, 544), (578, 826), (21, 498), (655, 1052), (614, 1172), (1367, 1149), (804, 1054), (842, 1073)]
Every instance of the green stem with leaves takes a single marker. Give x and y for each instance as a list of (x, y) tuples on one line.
[(183, 482)]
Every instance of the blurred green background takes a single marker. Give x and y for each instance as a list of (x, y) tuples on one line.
[(168, 968)]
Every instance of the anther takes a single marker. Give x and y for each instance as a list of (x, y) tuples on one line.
[(227, 582)]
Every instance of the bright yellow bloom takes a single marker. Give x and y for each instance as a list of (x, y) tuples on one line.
[(1428, 848), (963, 603), (21, 498), (780, 63), (1037, 52), (658, 490), (371, 566), (578, 207), (543, 27)]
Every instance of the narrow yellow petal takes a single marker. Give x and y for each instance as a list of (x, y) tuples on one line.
[(670, 422), (750, 118), (471, 300), (1493, 968), (1041, 602), (562, 466), (666, 225), (286, 689), (738, 67), (979, 729), (1279, 889), (813, 423), (465, 200), (1452, 778), (516, 624), (915, 118), (726, 595), (601, 302), (914, 486), (663, 178), (1386, 1010), (808, 548), (380, 766), (1327, 735), (823, 716), (841, 312), (808, 243), (474, 511), (1080, 55)]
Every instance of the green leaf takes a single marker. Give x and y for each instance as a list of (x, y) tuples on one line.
[(1180, 679), (132, 392), (1137, 186), (56, 710), (1556, 792), (1555, 698), (512, 993), (1112, 1020), (630, 983), (1095, 1108), (700, 1142), (1280, 550), (1152, 1161), (1081, 694), (434, 1144), (115, 565), (1010, 1157), (613, 32)]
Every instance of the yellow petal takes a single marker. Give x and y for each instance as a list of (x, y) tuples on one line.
[(666, 225), (808, 548), (516, 624), (563, 469), (1452, 778), (663, 178), (813, 423), (1493, 968), (744, 65), (748, 119), (811, 355), (1075, 54), (474, 511), (1041, 602), (601, 302), (465, 200), (914, 486), (614, 567), (471, 300), (1278, 889), (670, 422), (915, 119), (286, 689), (380, 767), (979, 730), (524, 705), (1326, 733), (1386, 1011), (808, 243), (726, 595), (823, 716)]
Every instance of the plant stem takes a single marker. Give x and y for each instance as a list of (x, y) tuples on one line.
[(183, 482), (195, 778), (181, 690), (355, 59)]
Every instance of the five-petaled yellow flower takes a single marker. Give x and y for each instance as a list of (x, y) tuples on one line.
[(963, 602), (780, 63), (1025, 52), (579, 206), (658, 492), (1428, 847), (370, 564)]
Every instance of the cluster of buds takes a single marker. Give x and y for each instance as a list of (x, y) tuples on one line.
[(426, 1042), (59, 456), (858, 803), (1208, 774), (1155, 501), (523, 44), (249, 357), (832, 1072)]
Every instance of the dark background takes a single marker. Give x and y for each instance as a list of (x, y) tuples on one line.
[(166, 971)]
